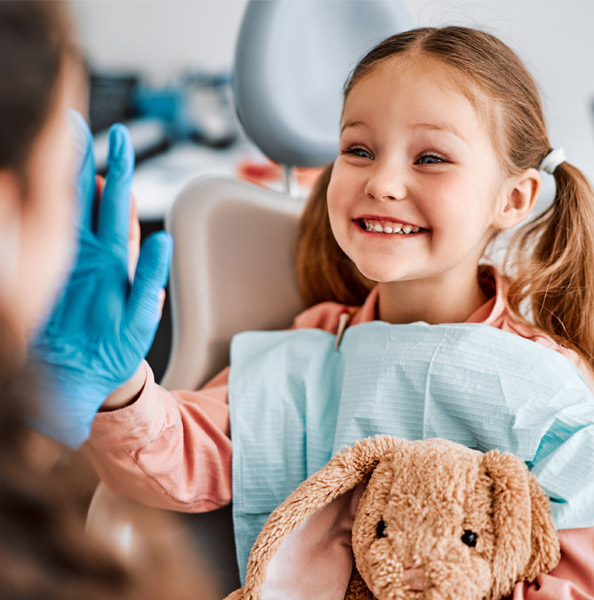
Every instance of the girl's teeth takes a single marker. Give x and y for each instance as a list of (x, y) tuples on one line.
[(395, 228)]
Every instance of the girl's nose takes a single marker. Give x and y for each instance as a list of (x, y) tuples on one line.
[(386, 183)]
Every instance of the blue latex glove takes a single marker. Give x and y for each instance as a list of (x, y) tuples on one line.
[(103, 325)]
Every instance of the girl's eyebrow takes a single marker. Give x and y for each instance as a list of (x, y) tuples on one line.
[(441, 126), (352, 124)]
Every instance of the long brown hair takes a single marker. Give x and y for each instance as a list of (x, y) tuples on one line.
[(324, 271), (551, 261)]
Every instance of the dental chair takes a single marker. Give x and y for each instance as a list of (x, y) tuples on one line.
[(232, 264)]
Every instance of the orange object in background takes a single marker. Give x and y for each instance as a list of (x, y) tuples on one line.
[(270, 174)]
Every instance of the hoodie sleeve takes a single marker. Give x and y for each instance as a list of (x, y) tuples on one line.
[(167, 449)]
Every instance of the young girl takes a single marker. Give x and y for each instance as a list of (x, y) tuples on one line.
[(442, 140)]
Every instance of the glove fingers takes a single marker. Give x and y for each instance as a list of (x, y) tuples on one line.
[(114, 209), (145, 301), (85, 184)]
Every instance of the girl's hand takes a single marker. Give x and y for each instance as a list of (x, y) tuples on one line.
[(106, 319)]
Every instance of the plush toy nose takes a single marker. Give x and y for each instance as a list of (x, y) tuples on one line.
[(415, 579)]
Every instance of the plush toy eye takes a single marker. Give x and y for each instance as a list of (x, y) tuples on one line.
[(380, 530), (469, 538)]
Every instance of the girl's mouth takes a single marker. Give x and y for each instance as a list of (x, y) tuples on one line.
[(388, 227)]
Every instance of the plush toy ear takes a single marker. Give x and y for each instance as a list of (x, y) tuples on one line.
[(546, 552), (304, 549), (525, 539)]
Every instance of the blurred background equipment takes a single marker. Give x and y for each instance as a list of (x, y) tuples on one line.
[(159, 41), (199, 107)]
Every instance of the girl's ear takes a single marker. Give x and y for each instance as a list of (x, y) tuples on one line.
[(521, 195)]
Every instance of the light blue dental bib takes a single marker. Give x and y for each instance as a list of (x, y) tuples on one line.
[(295, 401)]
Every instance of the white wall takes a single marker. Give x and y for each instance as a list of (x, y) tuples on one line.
[(160, 38), (164, 37)]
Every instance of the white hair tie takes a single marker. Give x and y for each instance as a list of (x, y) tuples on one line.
[(552, 160)]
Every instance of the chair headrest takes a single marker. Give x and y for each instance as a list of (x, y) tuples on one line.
[(291, 62)]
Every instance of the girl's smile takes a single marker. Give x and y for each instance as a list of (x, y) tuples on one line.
[(387, 225)]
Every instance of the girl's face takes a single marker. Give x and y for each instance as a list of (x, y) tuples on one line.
[(416, 186), (43, 213)]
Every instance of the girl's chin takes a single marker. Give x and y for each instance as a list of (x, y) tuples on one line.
[(379, 268), (380, 276), (389, 274)]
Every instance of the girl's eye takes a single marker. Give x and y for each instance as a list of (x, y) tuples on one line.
[(430, 159), (360, 152)]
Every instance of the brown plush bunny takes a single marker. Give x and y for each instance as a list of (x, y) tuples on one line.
[(423, 520)]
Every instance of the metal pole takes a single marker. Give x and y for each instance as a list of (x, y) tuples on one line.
[(291, 185)]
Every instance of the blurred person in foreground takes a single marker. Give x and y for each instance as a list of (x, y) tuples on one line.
[(44, 553)]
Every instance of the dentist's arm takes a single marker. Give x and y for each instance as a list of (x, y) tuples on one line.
[(105, 321)]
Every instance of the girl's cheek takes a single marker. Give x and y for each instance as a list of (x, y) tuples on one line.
[(342, 179), (331, 194)]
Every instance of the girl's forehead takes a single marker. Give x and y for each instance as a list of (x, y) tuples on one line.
[(425, 81), (395, 72)]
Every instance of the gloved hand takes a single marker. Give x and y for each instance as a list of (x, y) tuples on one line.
[(103, 324)]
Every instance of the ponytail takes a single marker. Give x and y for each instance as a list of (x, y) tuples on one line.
[(552, 265)]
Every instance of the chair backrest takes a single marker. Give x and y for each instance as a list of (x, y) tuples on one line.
[(121, 525), (232, 271)]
